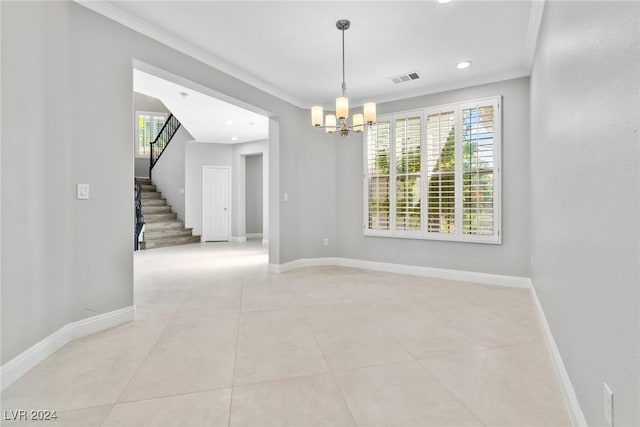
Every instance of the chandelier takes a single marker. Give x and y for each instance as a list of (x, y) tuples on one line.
[(342, 105)]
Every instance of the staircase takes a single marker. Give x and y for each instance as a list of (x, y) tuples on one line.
[(161, 225)]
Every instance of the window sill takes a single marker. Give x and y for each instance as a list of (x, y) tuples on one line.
[(489, 240)]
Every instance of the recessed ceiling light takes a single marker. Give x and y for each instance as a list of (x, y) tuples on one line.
[(229, 122), (234, 138), (462, 65), (444, 1), (251, 123)]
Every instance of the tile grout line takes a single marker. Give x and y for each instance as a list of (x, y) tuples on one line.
[(477, 417), (186, 393), (147, 356), (315, 338), (235, 355)]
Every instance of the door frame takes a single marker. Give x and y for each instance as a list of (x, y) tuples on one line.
[(229, 200)]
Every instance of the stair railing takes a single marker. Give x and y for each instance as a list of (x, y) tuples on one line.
[(139, 217), (163, 139)]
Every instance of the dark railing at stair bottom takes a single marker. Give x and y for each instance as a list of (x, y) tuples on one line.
[(139, 218), (163, 139)]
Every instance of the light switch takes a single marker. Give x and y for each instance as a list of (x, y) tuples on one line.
[(182, 191), (285, 197), (83, 191)]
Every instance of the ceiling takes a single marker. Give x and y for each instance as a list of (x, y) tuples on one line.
[(292, 49), (207, 119)]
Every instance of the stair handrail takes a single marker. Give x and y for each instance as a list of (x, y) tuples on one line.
[(138, 216), (165, 136)]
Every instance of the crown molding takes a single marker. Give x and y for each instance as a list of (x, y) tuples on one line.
[(118, 15), (535, 20)]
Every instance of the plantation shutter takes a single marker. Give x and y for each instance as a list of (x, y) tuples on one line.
[(434, 173), (158, 122), (408, 144), (478, 172), (149, 125), (440, 167), (378, 176)]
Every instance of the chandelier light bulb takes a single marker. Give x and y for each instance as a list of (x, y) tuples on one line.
[(370, 112), (316, 116), (358, 122), (330, 122), (342, 107)]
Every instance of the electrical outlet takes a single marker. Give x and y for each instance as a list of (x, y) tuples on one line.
[(608, 404), (325, 241), (82, 191)]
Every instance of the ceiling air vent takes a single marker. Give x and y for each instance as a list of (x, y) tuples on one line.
[(404, 77)]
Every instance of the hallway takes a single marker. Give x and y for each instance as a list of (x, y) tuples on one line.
[(219, 341)]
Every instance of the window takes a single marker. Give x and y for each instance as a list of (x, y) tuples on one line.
[(148, 125), (434, 173)]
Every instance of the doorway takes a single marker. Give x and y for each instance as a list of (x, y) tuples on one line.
[(216, 203), (254, 196)]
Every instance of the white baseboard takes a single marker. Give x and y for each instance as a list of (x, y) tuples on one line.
[(301, 263), (569, 394), (238, 239), (22, 363), (440, 273), (254, 235)]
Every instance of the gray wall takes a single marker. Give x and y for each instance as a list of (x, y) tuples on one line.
[(585, 197), (240, 153), (144, 103), (38, 206), (198, 154), (319, 187), (64, 260), (169, 172), (253, 197), (509, 258)]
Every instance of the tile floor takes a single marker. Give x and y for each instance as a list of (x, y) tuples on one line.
[(219, 341)]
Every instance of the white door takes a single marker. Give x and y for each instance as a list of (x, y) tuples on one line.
[(216, 202)]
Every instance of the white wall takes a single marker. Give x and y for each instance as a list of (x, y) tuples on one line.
[(240, 151), (64, 260), (197, 155), (169, 172), (585, 197), (144, 103), (510, 258), (253, 199)]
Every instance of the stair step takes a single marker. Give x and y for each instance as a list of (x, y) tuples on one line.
[(155, 209), (163, 225), (153, 202), (143, 181), (160, 243), (162, 217), (163, 234), (150, 195), (148, 187)]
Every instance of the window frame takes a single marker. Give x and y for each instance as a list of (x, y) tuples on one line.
[(423, 234), (137, 129)]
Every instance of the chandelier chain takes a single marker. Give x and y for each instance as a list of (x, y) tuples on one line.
[(344, 82)]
